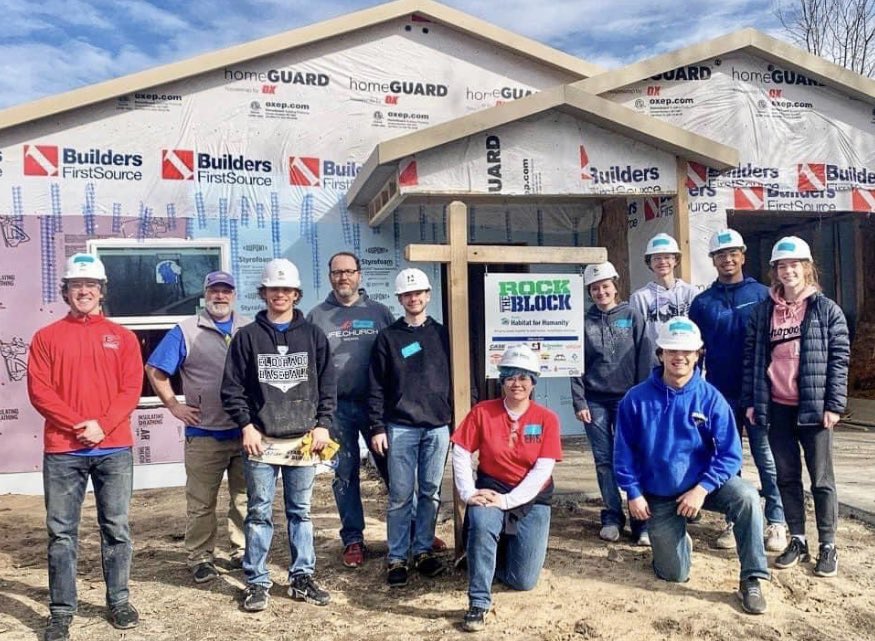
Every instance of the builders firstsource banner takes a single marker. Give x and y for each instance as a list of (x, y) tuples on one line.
[(803, 146)]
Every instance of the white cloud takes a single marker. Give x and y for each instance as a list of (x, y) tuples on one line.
[(59, 45)]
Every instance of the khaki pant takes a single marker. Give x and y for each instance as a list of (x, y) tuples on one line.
[(206, 461)]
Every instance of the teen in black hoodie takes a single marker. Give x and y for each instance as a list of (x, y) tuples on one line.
[(279, 384), (409, 414)]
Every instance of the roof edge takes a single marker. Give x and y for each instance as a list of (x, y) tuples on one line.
[(748, 40), (299, 37)]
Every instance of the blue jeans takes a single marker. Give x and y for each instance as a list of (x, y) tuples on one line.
[(739, 501), (761, 452), (600, 433), (65, 478), (417, 456), (297, 490), (350, 419), (522, 555)]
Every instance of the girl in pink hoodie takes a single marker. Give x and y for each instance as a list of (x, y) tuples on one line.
[(795, 384)]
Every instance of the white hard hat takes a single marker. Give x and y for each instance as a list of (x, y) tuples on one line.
[(726, 239), (791, 248), (84, 266), (520, 357), (662, 244), (411, 280), (679, 333), (281, 272), (595, 273)]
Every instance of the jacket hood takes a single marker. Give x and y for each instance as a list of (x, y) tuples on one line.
[(331, 299), (297, 319), (594, 313), (692, 384), (746, 282), (656, 288)]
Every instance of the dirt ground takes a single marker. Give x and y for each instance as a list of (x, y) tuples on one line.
[(588, 589)]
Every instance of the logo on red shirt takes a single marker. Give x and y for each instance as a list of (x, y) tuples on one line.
[(110, 341)]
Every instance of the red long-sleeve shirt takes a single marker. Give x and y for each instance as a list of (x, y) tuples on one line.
[(81, 369)]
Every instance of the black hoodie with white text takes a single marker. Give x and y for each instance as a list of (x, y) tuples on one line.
[(282, 382)]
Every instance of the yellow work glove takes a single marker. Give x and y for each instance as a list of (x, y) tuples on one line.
[(325, 454)]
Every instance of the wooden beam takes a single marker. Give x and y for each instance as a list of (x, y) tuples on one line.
[(507, 254), (460, 363), (545, 255), (682, 220)]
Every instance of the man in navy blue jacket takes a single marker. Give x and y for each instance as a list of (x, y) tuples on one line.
[(676, 452), (722, 312)]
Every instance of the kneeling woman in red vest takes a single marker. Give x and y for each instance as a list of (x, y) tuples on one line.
[(508, 515)]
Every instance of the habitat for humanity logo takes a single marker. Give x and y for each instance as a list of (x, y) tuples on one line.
[(222, 169), (86, 164), (534, 295), (310, 171)]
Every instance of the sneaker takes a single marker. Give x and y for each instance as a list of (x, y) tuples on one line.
[(235, 562), (58, 627), (827, 561), (204, 572), (643, 540), (427, 564), (796, 550), (354, 555), (396, 576), (610, 533), (475, 619), (776, 537), (726, 539), (302, 588), (439, 545), (124, 616), (255, 598), (751, 595)]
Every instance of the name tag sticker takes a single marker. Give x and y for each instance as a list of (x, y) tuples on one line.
[(409, 350)]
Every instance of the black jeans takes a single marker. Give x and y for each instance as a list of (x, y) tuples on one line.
[(785, 438)]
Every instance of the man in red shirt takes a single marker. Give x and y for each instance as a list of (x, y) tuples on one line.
[(84, 376)]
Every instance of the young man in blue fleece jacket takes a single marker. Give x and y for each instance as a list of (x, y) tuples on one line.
[(677, 451)]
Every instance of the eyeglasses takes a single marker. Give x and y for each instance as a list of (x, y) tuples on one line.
[(337, 273), (519, 378)]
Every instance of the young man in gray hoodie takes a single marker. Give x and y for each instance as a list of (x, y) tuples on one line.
[(665, 296), (351, 321)]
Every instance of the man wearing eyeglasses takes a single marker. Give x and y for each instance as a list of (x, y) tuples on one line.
[(351, 321)]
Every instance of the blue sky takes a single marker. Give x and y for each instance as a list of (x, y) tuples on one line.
[(53, 46)]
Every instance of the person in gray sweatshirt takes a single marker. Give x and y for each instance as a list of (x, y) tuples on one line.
[(665, 296), (351, 321), (617, 356)]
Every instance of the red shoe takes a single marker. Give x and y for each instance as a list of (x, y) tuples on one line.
[(354, 555), (438, 545)]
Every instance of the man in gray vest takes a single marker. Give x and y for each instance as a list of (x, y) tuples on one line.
[(351, 321), (196, 348)]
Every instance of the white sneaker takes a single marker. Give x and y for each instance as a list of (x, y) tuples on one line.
[(776, 537), (726, 540), (610, 533), (643, 540)]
